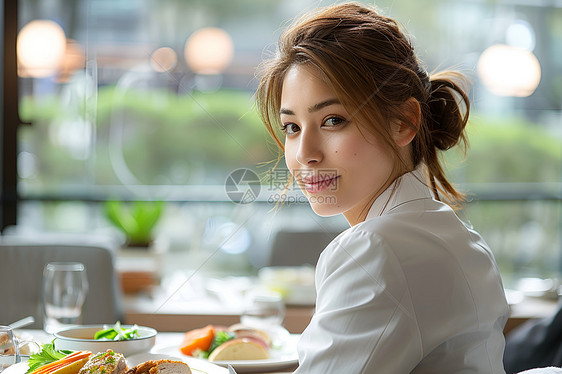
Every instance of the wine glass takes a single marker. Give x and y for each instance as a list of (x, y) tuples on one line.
[(265, 310), (65, 286), (9, 349)]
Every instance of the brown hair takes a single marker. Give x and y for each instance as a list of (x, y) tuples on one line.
[(371, 66)]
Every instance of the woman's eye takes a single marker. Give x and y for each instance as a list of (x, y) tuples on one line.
[(290, 128), (334, 121)]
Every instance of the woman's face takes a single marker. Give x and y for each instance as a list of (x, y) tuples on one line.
[(339, 168)]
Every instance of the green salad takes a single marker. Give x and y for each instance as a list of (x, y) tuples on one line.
[(116, 332)]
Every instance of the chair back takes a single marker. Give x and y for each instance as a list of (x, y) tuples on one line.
[(296, 248), (21, 273)]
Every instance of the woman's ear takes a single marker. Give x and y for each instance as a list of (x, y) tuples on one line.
[(404, 132)]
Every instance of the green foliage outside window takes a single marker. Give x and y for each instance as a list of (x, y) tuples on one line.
[(199, 138), (161, 138)]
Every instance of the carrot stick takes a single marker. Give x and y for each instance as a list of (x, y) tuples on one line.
[(44, 369), (67, 359), (60, 363), (75, 356)]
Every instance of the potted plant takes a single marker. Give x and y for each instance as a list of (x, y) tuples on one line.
[(136, 220), (138, 261)]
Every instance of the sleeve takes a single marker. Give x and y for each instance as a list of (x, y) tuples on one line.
[(364, 321)]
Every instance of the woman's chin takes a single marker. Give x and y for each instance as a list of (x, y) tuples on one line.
[(325, 210)]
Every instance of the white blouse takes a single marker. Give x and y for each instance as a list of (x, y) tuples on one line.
[(410, 290)]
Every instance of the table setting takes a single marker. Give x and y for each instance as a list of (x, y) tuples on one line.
[(151, 345), (257, 344)]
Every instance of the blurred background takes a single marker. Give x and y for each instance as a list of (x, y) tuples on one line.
[(152, 102)]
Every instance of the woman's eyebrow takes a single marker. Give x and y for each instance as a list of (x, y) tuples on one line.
[(314, 108), (286, 111), (322, 105)]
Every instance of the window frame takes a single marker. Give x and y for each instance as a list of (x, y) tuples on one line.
[(9, 121)]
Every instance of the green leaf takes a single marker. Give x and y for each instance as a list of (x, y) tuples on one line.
[(47, 355), (220, 338), (107, 334), (116, 332)]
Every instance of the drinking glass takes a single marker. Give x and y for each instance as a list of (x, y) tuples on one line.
[(263, 309), (65, 286), (9, 349)]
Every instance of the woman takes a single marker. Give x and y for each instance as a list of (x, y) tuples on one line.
[(408, 288)]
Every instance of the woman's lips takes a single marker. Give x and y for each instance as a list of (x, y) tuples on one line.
[(315, 185)]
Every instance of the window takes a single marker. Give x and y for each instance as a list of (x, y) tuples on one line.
[(134, 109)]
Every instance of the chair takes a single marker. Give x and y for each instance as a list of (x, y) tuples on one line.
[(296, 248), (533, 344), (21, 272)]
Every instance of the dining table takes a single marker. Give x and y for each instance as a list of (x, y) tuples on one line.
[(164, 348)]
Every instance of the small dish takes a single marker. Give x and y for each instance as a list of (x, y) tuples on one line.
[(283, 357), (82, 338)]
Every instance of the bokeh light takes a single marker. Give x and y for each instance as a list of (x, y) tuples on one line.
[(509, 71), (40, 47), (163, 59), (209, 50)]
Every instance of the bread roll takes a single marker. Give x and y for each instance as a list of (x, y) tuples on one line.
[(6, 344), (239, 349), (7, 348)]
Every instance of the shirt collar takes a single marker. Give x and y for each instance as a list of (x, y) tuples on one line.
[(408, 187)]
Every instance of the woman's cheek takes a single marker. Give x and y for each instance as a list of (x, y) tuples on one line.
[(290, 157)]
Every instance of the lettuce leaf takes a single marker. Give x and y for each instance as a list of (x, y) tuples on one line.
[(220, 338), (47, 355)]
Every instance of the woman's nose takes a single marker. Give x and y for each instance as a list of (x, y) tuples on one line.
[(310, 150)]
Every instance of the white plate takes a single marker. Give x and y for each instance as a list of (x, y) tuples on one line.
[(282, 358), (196, 366), (20, 368)]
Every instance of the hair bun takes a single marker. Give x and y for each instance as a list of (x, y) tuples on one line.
[(448, 111)]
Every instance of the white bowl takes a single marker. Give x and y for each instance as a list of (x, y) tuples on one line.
[(82, 338)]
